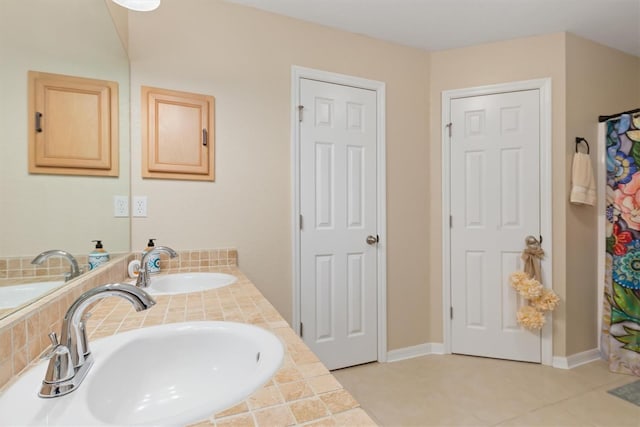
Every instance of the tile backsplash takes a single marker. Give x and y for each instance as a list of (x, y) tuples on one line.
[(195, 259), (24, 334), (20, 269)]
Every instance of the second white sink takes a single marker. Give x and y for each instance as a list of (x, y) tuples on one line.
[(181, 283)]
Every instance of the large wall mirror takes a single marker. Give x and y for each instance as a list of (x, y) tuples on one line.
[(40, 212)]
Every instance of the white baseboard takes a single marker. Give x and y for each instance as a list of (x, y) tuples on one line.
[(577, 359), (425, 349), (415, 351)]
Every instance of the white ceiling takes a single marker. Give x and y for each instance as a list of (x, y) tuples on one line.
[(445, 24)]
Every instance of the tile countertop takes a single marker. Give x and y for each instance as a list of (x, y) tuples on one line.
[(303, 391)]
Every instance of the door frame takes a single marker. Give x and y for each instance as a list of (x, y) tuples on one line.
[(601, 215), (298, 73), (544, 86)]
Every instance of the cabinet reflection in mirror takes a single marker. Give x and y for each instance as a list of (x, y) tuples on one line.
[(44, 211), (73, 125)]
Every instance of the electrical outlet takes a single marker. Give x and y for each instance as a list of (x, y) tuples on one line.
[(140, 206), (120, 206)]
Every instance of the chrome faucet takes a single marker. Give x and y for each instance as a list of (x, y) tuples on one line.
[(75, 269), (143, 273), (70, 359)]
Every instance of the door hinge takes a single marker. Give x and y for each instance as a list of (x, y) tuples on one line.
[(451, 312), (449, 126), (450, 221), (300, 108), (300, 221), (301, 330)]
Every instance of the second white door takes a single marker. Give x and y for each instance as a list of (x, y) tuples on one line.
[(338, 236), (495, 204)]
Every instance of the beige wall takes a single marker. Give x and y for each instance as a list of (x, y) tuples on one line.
[(243, 57), (600, 81), (507, 61), (120, 18)]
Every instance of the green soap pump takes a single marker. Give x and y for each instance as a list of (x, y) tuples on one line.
[(98, 256)]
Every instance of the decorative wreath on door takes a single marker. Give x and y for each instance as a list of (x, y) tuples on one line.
[(528, 285)]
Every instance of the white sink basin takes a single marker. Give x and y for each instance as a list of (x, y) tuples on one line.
[(181, 283), (15, 295), (172, 374)]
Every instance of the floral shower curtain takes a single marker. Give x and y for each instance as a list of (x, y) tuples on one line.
[(621, 324)]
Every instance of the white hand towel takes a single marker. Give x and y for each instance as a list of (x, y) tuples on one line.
[(583, 189)]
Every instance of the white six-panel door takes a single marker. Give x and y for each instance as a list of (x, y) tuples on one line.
[(495, 204), (338, 208)]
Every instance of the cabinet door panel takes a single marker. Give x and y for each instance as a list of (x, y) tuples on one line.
[(178, 143), (75, 131)]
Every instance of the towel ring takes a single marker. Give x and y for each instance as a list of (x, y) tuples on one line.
[(579, 140)]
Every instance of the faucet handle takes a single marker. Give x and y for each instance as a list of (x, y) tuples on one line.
[(60, 364), (53, 337), (70, 275), (49, 353)]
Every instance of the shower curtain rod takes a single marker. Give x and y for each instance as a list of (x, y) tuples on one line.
[(605, 118)]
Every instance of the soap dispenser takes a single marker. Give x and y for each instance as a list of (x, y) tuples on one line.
[(98, 256), (153, 260)]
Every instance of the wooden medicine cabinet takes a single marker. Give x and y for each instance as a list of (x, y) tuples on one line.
[(73, 125), (177, 135)]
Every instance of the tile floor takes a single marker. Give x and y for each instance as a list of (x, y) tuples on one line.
[(454, 390)]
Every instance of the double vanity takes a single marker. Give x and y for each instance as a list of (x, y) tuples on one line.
[(210, 351)]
